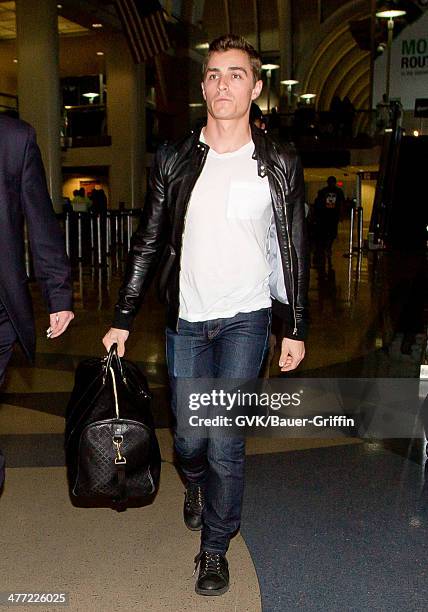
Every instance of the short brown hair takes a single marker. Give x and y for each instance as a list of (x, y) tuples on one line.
[(232, 41)]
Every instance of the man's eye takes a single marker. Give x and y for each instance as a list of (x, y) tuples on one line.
[(212, 76), (236, 76)]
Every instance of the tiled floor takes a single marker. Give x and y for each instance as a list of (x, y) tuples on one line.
[(365, 312)]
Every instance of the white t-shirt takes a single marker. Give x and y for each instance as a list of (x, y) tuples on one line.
[(224, 265)]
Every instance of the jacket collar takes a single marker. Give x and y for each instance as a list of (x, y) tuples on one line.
[(260, 149), (260, 146)]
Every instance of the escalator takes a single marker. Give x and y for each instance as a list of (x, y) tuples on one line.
[(400, 210)]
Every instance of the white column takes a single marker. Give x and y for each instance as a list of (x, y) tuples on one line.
[(38, 83), (126, 124)]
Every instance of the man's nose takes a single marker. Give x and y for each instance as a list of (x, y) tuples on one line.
[(222, 83)]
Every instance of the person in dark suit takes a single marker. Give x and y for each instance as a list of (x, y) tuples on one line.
[(24, 196)]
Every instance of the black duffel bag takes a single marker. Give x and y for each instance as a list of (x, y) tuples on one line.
[(112, 453)]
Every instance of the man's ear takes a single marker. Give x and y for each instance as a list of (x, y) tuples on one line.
[(203, 91), (257, 90)]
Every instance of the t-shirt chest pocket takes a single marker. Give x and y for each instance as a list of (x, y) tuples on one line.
[(247, 200)]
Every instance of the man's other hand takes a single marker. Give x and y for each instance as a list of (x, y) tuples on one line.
[(59, 321), (118, 336), (292, 353)]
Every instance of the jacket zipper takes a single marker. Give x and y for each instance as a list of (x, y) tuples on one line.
[(289, 243), (201, 165)]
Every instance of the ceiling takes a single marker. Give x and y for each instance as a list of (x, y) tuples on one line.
[(8, 25)]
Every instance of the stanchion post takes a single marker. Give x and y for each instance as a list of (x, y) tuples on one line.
[(92, 231), (121, 213), (122, 228), (79, 236), (351, 231), (116, 228), (108, 232), (360, 228), (359, 213), (129, 230), (99, 239)]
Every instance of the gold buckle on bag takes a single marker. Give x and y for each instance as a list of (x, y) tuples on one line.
[(117, 442)]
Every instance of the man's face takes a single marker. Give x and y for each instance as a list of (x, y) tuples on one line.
[(228, 87)]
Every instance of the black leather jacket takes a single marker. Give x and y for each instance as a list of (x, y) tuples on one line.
[(159, 235)]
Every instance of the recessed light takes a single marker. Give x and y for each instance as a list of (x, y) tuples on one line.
[(100, 52), (59, 6), (97, 25), (15, 61)]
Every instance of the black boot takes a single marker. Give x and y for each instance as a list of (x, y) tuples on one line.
[(213, 576), (193, 506)]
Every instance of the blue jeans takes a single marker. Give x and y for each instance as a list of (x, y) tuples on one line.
[(221, 348)]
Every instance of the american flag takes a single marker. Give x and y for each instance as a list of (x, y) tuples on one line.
[(144, 25)]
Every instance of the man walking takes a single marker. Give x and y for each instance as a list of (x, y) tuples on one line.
[(226, 208), (24, 195), (327, 209)]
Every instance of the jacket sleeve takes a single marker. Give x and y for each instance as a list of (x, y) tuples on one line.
[(147, 245), (50, 261), (299, 240)]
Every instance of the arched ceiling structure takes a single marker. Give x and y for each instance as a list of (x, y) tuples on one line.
[(337, 66)]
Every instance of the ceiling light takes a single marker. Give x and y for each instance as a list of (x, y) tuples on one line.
[(15, 61), (97, 25), (289, 82), (390, 13), (91, 96), (202, 46), (67, 107), (308, 96), (270, 66), (196, 104), (59, 6), (100, 52), (415, 133)]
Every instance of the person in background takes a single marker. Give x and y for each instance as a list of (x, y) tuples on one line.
[(99, 199), (348, 114), (327, 209), (80, 201), (274, 121), (24, 194), (256, 116)]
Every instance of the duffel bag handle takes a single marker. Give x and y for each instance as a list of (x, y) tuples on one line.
[(112, 354)]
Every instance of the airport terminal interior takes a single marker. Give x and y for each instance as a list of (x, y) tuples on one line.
[(334, 521)]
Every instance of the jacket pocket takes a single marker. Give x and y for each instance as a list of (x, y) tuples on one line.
[(167, 262)]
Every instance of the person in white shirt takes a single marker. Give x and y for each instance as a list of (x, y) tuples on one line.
[(226, 206)]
